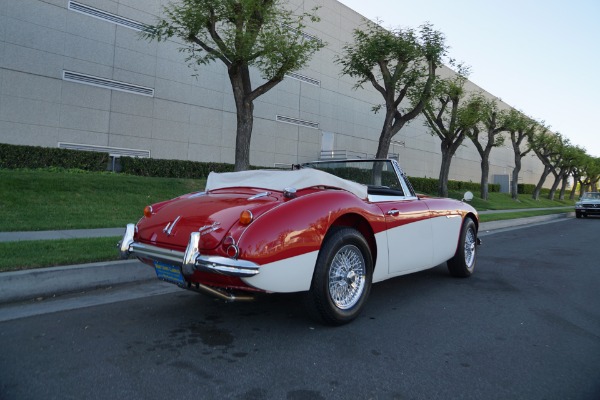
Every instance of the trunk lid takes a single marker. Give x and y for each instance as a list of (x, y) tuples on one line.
[(212, 214)]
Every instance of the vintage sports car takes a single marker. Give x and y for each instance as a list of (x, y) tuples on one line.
[(329, 229), (588, 204)]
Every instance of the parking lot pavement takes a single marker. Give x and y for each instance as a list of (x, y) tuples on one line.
[(55, 281)]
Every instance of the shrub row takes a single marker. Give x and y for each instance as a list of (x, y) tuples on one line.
[(171, 168), (430, 185), (14, 156), (526, 188)]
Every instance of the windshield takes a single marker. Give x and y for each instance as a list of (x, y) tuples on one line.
[(591, 196), (378, 175)]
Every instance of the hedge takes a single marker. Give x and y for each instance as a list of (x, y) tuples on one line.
[(430, 185), (14, 156), (171, 168), (526, 188)]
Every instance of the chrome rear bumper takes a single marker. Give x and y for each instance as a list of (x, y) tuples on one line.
[(191, 260)]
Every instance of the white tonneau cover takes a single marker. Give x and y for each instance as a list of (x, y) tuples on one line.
[(279, 180)]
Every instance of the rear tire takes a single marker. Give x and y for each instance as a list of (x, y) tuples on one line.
[(342, 278), (462, 264)]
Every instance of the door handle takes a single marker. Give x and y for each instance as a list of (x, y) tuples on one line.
[(393, 212)]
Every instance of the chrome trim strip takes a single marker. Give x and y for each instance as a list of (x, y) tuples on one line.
[(125, 243), (156, 253), (258, 196), (168, 229)]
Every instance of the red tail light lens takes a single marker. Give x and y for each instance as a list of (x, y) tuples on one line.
[(148, 211), (246, 217)]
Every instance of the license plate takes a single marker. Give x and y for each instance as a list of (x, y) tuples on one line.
[(169, 273)]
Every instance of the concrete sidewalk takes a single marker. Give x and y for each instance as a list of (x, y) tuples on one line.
[(62, 234), (33, 284)]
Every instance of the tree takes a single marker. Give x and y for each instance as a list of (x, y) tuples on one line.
[(578, 172), (572, 159), (395, 62), (548, 148), (590, 176), (241, 34), (451, 114), (494, 123), (562, 168), (520, 127)]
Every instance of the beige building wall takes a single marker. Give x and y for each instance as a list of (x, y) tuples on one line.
[(155, 105)]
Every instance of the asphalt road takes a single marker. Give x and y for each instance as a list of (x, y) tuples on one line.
[(525, 326)]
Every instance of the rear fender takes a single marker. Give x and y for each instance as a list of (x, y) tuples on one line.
[(298, 226)]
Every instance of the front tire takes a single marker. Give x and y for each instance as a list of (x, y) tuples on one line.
[(462, 264), (342, 278), (578, 214)]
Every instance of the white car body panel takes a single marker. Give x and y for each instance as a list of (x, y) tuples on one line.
[(446, 232), (293, 274), (410, 248)]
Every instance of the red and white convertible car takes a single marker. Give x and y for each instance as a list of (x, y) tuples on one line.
[(329, 229)]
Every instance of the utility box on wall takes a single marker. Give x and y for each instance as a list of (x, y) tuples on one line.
[(504, 182)]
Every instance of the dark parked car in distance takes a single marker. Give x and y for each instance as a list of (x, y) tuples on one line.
[(588, 204)]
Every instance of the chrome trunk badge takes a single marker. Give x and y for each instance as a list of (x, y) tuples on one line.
[(169, 227), (206, 229)]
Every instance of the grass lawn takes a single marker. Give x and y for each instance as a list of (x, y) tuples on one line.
[(45, 200), (503, 201), (33, 200), (49, 253), (513, 215)]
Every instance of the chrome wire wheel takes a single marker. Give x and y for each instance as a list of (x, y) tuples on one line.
[(463, 263), (347, 278), (470, 245)]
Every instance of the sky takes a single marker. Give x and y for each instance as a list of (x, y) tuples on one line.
[(539, 56)]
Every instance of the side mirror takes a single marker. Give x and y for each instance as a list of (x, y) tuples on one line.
[(468, 196)]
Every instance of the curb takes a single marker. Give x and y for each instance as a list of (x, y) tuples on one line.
[(517, 222), (48, 282)]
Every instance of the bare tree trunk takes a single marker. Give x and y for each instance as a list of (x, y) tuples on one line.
[(582, 188), (485, 172), (245, 122), (557, 179), (514, 185), (574, 189), (245, 116), (444, 172), (563, 187), (538, 187), (387, 133)]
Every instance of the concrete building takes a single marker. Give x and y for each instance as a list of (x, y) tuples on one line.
[(76, 74)]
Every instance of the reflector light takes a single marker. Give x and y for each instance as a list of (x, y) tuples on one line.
[(246, 217)]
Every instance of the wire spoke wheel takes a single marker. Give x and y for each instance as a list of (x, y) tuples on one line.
[(470, 244), (462, 264), (347, 277), (342, 278)]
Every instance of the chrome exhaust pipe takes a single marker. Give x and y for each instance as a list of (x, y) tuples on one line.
[(218, 293)]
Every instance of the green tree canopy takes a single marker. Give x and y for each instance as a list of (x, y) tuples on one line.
[(487, 135), (241, 34), (451, 114), (395, 62), (520, 127)]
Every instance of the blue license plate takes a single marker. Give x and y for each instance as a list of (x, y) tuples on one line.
[(169, 273)]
